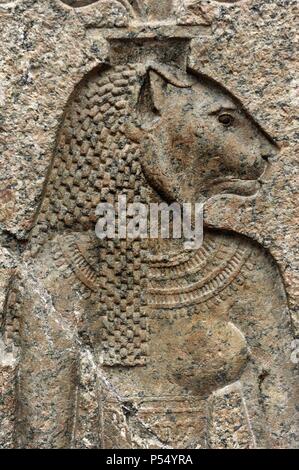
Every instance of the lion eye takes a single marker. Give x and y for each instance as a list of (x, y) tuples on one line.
[(226, 119)]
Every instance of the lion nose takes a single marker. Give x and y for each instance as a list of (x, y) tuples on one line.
[(266, 157), (268, 151)]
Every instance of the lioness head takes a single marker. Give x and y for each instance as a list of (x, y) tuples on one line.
[(196, 139)]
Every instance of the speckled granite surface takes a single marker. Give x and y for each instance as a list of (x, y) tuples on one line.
[(205, 358)]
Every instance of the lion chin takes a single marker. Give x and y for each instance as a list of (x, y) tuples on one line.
[(237, 186)]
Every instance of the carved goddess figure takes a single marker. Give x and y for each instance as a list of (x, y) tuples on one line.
[(125, 344)]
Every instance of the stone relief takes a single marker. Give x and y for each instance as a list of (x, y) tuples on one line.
[(140, 343), (185, 12)]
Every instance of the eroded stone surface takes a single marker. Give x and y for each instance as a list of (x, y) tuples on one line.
[(142, 344)]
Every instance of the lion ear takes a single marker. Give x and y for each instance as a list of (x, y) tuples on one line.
[(155, 91), (151, 100), (158, 91)]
